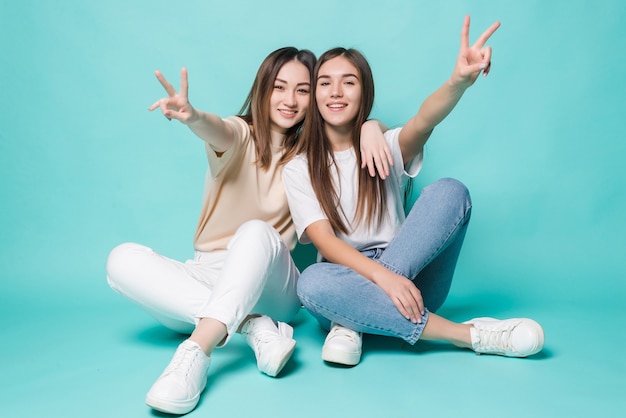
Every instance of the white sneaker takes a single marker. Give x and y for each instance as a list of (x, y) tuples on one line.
[(342, 346), (272, 343), (178, 389), (517, 337)]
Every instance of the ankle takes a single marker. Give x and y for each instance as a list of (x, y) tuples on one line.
[(245, 321), (462, 337), (208, 334)]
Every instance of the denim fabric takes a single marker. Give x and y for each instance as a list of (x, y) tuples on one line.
[(425, 250)]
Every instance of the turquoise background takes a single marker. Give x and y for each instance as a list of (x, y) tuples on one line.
[(84, 166)]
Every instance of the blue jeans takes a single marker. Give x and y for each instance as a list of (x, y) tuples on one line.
[(425, 250)]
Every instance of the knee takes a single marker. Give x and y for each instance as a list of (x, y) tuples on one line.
[(452, 187), (257, 231), (121, 261), (453, 191), (310, 283)]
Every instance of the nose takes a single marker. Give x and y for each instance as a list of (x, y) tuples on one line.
[(290, 99), (336, 90)]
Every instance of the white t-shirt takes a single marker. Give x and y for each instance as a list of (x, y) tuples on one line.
[(305, 208)]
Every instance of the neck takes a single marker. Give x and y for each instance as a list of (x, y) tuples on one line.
[(277, 138), (340, 137)]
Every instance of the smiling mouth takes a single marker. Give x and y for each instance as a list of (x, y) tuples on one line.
[(337, 106), (286, 112)]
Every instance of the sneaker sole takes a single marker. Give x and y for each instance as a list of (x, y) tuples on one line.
[(288, 348), (172, 407), (273, 369), (340, 357)]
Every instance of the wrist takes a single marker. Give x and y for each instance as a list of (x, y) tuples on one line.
[(194, 116), (378, 275), (457, 85)]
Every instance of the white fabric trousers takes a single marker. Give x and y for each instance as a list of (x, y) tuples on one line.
[(255, 275)]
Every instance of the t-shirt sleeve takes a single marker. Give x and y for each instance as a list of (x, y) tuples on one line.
[(303, 204), (412, 167), (241, 138)]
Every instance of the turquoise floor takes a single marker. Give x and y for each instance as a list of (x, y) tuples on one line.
[(92, 354)]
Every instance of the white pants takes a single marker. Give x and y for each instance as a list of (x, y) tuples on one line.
[(255, 275)]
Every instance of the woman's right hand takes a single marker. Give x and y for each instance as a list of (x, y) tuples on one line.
[(375, 153), (403, 293), (176, 105)]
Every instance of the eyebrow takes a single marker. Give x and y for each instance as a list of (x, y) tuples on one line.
[(342, 76), (299, 84)]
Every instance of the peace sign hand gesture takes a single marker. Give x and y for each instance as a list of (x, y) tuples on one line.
[(472, 59), (176, 105)]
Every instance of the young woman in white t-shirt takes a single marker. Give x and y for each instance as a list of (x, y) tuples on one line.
[(242, 277), (381, 273)]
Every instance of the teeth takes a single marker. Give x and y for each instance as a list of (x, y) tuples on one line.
[(336, 106)]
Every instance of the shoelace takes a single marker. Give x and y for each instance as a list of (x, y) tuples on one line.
[(495, 339), (182, 361), (260, 336), (344, 332)]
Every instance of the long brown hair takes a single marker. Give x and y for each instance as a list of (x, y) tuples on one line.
[(371, 204), (256, 108)]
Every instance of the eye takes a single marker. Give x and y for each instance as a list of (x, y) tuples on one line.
[(323, 83), (278, 87), (303, 91)]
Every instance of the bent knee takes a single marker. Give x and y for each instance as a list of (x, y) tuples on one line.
[(257, 230), (452, 186), (310, 283), (121, 261), (451, 191)]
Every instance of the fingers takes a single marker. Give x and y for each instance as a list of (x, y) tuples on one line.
[(163, 104), (184, 85), (383, 168), (172, 107), (411, 305), (378, 162), (417, 306), (473, 69), (465, 33), (486, 35), (386, 160), (370, 165), (168, 108), (486, 53), (166, 85), (482, 39), (154, 106)]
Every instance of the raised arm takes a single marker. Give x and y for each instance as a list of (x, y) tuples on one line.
[(471, 61), (209, 127)]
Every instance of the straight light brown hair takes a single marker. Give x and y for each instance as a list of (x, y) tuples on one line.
[(256, 108), (371, 205)]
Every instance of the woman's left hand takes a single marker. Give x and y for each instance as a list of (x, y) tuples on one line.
[(473, 59)]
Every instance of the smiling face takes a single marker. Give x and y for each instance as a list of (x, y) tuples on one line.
[(338, 94), (290, 96)]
